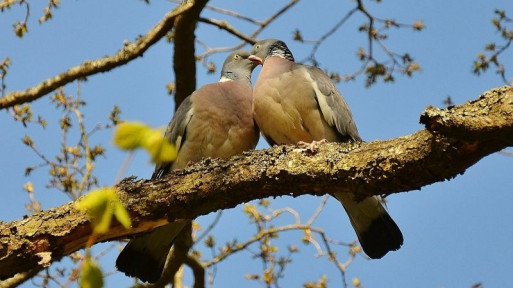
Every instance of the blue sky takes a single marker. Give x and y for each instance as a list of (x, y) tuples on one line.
[(455, 232)]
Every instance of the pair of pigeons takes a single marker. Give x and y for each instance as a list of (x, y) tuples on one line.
[(290, 103)]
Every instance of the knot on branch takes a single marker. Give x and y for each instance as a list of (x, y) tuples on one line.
[(489, 117)]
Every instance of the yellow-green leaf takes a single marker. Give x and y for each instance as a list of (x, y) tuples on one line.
[(97, 206), (100, 205), (121, 214), (159, 148), (130, 135), (91, 275)]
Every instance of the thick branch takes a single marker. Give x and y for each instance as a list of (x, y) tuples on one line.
[(88, 68), (183, 57), (459, 137), (477, 120)]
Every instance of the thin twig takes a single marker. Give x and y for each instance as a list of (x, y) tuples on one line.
[(330, 32), (261, 26), (293, 212), (258, 237), (124, 166), (210, 227), (84, 140), (129, 52), (318, 211), (371, 23), (227, 12), (228, 28)]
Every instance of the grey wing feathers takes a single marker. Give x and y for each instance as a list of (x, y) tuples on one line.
[(175, 133), (333, 107)]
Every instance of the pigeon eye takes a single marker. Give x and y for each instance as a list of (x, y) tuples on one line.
[(236, 57)]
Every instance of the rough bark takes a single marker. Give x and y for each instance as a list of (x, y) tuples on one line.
[(455, 138)]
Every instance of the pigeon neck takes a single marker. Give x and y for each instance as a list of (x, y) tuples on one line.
[(276, 66), (283, 56), (281, 50), (232, 76)]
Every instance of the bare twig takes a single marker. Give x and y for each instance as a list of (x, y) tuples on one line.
[(129, 52), (265, 232), (275, 230), (228, 28), (128, 159), (332, 256), (226, 12), (234, 14), (291, 211), (328, 34), (261, 26), (371, 24), (318, 211), (84, 140), (370, 65), (209, 228)]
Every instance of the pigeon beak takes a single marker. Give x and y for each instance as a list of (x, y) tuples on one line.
[(256, 59)]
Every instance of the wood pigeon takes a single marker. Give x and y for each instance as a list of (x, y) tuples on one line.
[(215, 121), (298, 103)]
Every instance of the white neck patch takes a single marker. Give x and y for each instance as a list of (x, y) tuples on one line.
[(224, 79)]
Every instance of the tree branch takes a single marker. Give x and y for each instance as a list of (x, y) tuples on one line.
[(224, 25), (183, 58), (455, 139), (261, 26), (198, 271), (129, 52)]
